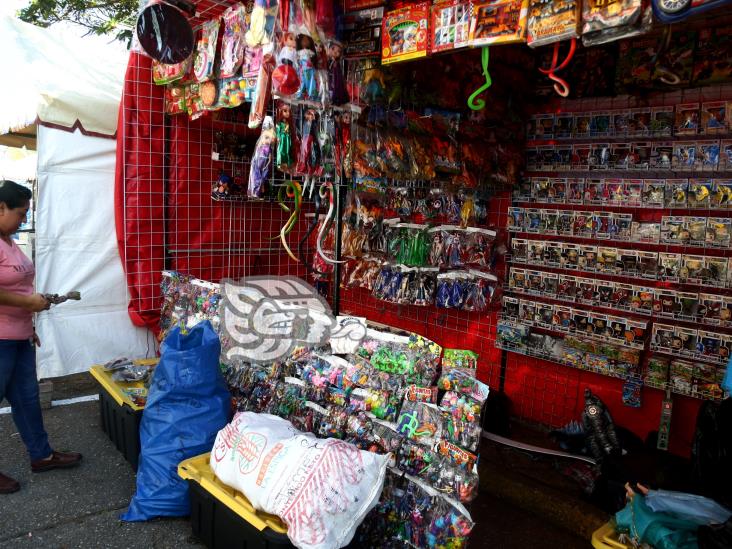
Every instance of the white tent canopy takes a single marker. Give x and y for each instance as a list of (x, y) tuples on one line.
[(58, 79), (71, 88)]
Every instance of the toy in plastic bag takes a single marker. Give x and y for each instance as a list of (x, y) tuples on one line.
[(322, 489), (262, 23), (262, 161), (203, 66), (285, 80), (188, 401), (460, 381), (604, 22), (232, 44), (164, 33), (286, 138)]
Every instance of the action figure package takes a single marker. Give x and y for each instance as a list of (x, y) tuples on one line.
[(498, 22), (550, 22)]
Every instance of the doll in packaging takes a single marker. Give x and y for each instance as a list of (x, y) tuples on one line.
[(261, 168)]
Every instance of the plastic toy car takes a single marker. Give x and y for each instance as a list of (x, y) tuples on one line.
[(671, 11)]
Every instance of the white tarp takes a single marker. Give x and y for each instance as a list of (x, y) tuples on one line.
[(76, 249), (58, 78)]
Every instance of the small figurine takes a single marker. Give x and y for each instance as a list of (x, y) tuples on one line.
[(598, 424)]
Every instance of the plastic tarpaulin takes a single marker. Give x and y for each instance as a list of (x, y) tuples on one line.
[(76, 249), (62, 80)]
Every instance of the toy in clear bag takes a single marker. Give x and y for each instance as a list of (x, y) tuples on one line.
[(455, 482), (359, 431), (425, 287), (285, 79), (452, 289), (415, 458), (307, 417), (336, 80), (166, 74), (479, 247), (262, 23), (386, 438), (287, 398), (262, 160), (382, 404), (420, 421), (465, 434), (461, 407), (306, 67), (343, 147), (309, 157), (286, 138), (455, 247), (459, 381), (480, 291), (232, 43), (450, 525), (333, 423)]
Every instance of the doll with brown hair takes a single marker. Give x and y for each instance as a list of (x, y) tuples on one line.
[(285, 80), (336, 80), (286, 138), (306, 59)]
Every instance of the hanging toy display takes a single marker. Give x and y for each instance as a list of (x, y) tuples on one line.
[(203, 66), (262, 23), (261, 168), (262, 91), (232, 45), (343, 150), (336, 80), (285, 80), (308, 158), (285, 133), (306, 65)]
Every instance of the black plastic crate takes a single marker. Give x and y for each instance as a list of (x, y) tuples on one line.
[(218, 527), (122, 425)]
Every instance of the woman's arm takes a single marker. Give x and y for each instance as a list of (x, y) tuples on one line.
[(34, 303)]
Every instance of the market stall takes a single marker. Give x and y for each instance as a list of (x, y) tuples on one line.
[(548, 221)]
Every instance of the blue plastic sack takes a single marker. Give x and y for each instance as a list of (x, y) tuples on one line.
[(691, 507), (187, 405)]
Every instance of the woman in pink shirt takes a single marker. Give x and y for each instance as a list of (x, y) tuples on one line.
[(18, 302)]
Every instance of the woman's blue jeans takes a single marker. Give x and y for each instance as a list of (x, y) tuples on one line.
[(19, 384)]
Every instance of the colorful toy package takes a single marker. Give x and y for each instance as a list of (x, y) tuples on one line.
[(460, 359), (498, 22), (552, 21), (450, 25), (405, 33)]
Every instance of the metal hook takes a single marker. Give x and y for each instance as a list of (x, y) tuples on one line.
[(474, 102)]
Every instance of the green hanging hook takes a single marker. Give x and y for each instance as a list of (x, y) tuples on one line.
[(478, 104)]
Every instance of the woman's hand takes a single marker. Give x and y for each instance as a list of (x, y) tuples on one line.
[(36, 339), (37, 303)]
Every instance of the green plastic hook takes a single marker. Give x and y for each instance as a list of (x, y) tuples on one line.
[(478, 104)]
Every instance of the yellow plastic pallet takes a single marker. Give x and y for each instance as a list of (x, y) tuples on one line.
[(606, 537), (115, 389), (199, 470)]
